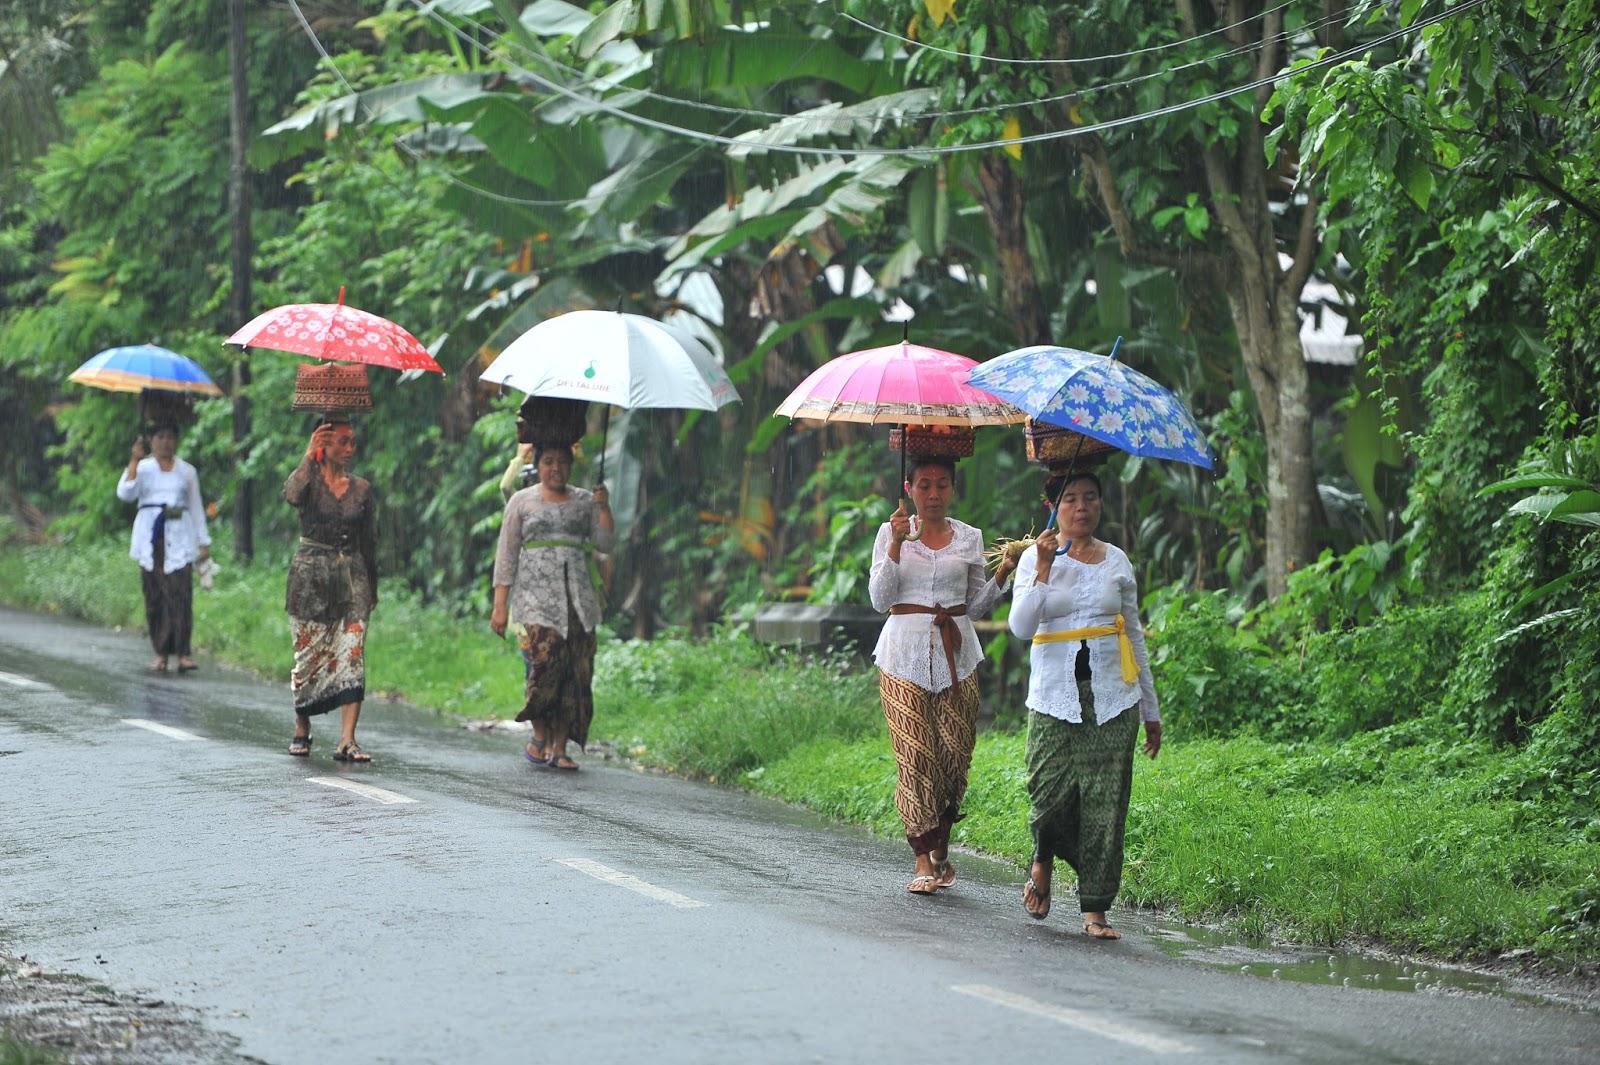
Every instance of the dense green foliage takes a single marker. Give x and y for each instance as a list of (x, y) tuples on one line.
[(469, 170)]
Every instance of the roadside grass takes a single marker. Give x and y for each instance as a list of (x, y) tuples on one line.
[(1401, 835), (16, 1052)]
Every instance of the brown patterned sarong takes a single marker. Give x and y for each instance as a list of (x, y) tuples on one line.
[(330, 664), (1080, 778), (168, 604), (560, 672), (933, 734)]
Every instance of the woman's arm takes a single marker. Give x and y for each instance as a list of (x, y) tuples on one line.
[(602, 527), (1027, 599), (1149, 707), (128, 485), (883, 581), (984, 592), (194, 511), (368, 534), (298, 485)]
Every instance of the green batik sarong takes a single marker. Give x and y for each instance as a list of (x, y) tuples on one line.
[(1080, 776)]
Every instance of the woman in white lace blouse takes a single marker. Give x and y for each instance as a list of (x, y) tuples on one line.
[(927, 655), (1088, 689), (545, 561), (169, 536)]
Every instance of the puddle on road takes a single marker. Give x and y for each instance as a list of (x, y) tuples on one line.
[(1330, 968)]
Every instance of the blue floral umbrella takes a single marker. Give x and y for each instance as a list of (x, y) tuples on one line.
[(1097, 396)]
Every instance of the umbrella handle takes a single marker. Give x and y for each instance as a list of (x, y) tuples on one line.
[(1051, 524)]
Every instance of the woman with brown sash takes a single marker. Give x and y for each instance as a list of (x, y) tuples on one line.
[(932, 586)]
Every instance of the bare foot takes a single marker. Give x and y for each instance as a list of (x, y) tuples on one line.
[(1095, 927)]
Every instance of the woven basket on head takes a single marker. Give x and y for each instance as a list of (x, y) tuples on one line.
[(332, 388), (1053, 445), (549, 421), (159, 407), (933, 441)]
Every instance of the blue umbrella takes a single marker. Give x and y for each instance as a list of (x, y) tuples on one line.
[(145, 366), (1097, 396)]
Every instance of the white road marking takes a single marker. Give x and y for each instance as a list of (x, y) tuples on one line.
[(388, 798), (165, 730), (21, 682), (632, 883), (1077, 1018)]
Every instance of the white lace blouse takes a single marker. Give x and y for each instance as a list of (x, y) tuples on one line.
[(1078, 596), (153, 489), (910, 646)]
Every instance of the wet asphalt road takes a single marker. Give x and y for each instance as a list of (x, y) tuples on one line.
[(511, 914)]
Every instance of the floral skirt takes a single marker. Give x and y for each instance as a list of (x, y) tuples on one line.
[(560, 671), (330, 664)]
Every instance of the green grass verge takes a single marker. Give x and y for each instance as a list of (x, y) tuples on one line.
[(1399, 835)]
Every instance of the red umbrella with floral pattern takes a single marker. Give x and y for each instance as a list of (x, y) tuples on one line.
[(336, 332)]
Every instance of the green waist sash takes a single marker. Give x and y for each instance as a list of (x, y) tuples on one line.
[(580, 545)]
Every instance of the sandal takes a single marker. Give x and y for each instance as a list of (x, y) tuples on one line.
[(350, 752), (561, 761), (923, 885), (538, 758), (1100, 930), (1038, 897), (300, 746), (944, 872)]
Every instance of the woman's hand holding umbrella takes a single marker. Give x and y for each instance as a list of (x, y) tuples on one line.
[(1045, 554)]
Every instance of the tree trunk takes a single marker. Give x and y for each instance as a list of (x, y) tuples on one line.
[(1001, 195), (240, 306)]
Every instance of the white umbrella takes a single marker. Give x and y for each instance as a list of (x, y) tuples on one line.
[(622, 360), (625, 360)]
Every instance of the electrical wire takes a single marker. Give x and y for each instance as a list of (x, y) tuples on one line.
[(1062, 61), (844, 120), (745, 143)]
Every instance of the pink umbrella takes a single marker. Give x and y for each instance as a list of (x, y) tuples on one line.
[(902, 384), (334, 331)]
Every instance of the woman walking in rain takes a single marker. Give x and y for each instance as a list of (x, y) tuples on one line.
[(169, 534), (333, 587), (1089, 671), (545, 563), (931, 587)]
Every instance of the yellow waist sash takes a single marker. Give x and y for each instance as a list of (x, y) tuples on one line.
[(1130, 665)]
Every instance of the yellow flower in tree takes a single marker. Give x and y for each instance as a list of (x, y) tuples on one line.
[(939, 10), (1011, 131)]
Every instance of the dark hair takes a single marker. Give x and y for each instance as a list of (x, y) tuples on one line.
[(916, 462), (1056, 482), (540, 449), (165, 427)]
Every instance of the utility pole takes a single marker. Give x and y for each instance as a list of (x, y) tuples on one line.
[(240, 307)]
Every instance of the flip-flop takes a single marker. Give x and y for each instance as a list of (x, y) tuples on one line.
[(1040, 896), (535, 759), (944, 873), (561, 761), (190, 668), (925, 884), (1089, 928)]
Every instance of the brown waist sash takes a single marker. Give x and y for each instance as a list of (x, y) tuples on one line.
[(944, 618)]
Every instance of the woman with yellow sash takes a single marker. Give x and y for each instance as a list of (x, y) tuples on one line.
[(548, 538), (1089, 672)]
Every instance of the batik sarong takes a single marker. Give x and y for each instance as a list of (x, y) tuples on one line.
[(168, 605), (560, 677), (932, 734), (330, 664), (1080, 776)]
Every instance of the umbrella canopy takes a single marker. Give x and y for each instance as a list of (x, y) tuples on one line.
[(140, 366), (1099, 397), (336, 332), (901, 384), (624, 360)]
